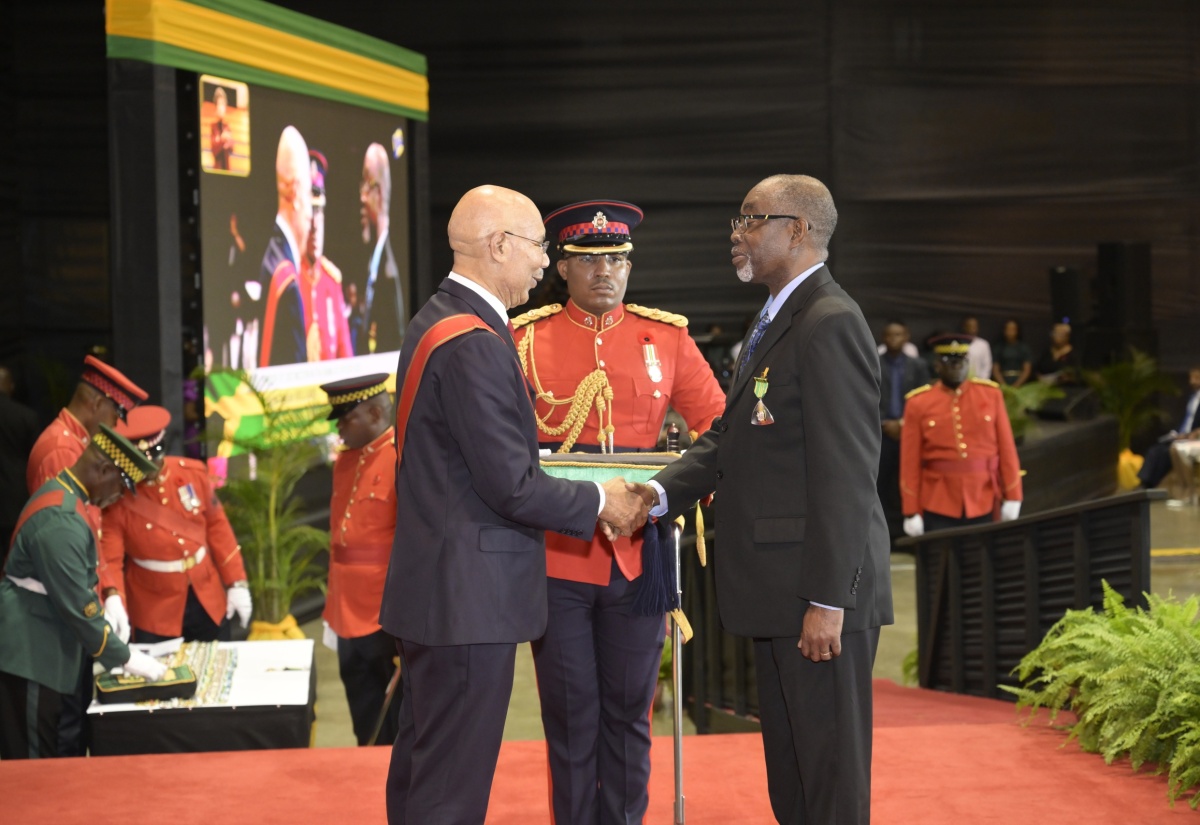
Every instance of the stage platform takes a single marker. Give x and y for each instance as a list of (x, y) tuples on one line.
[(939, 759), (1066, 462)]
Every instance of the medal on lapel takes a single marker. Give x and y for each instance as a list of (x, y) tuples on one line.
[(761, 416), (650, 354), (187, 497)]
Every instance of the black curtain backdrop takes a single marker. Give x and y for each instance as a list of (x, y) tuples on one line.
[(970, 146)]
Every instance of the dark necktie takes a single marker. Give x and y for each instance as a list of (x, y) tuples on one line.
[(764, 321)]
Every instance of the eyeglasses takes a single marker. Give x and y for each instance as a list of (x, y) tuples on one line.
[(612, 259), (367, 185), (740, 223), (543, 244)]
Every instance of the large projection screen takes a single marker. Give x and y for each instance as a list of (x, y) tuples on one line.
[(291, 314)]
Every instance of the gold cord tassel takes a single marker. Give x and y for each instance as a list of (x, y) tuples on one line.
[(701, 547)]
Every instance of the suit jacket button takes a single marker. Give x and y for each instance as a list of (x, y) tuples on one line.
[(720, 474), (853, 591)]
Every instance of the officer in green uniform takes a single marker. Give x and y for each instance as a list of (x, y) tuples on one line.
[(50, 615)]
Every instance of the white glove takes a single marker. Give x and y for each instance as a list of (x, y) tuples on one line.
[(147, 667), (237, 600), (115, 615), (914, 526), (1009, 510)]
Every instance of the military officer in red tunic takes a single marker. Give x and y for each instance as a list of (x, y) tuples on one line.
[(605, 373), (958, 460), (362, 523), (169, 559), (103, 395)]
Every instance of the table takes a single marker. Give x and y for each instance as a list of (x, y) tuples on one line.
[(270, 704)]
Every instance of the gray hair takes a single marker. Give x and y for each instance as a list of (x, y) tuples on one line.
[(807, 198)]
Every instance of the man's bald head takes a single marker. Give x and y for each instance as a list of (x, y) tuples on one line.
[(494, 233), (293, 182)]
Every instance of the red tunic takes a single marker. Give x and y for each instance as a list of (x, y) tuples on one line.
[(571, 344), (362, 522), (59, 446), (957, 454), (328, 331), (169, 521)]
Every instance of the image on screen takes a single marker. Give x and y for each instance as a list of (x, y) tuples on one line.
[(304, 243)]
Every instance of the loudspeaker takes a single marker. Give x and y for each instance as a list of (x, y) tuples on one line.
[(1122, 286), (1067, 296)]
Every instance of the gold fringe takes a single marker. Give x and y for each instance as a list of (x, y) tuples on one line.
[(665, 317)]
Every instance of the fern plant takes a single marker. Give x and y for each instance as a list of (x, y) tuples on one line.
[(1132, 677)]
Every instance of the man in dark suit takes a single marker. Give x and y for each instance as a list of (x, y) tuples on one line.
[(467, 579), (383, 318), (899, 373), (283, 322), (802, 549), (18, 431)]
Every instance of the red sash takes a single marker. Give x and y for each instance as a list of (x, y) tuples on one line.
[(275, 289), (444, 330), (53, 498)]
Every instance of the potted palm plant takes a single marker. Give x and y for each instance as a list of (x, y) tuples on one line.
[(1020, 401), (281, 552), (1127, 390)]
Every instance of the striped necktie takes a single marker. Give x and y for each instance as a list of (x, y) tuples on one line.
[(764, 320)]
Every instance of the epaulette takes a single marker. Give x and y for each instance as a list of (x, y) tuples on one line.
[(986, 382), (186, 463), (665, 317), (918, 391), (332, 269), (536, 314)]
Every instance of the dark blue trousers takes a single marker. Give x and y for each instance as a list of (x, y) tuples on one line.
[(452, 714), (365, 665), (597, 667)]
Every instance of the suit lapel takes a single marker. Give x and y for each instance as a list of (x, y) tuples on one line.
[(775, 331), (479, 306)]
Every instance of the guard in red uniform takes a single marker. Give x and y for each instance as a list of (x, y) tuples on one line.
[(103, 395), (362, 522), (605, 373), (170, 563), (958, 460)]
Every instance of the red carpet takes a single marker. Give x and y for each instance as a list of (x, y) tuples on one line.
[(939, 759)]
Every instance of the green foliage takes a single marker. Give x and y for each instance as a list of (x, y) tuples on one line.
[(910, 672), (1132, 677), (1020, 401), (1127, 389), (280, 551)]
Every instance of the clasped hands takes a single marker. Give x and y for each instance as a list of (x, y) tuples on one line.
[(626, 507)]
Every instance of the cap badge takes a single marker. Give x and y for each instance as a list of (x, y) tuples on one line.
[(600, 221), (761, 417)]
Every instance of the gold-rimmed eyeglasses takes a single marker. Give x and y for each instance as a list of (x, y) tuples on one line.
[(740, 223), (543, 244)]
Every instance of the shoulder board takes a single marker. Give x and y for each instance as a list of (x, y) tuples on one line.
[(985, 382), (68, 501), (536, 315), (331, 269), (658, 315), (186, 463), (918, 391)]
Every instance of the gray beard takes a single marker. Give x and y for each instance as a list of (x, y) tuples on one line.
[(745, 272)]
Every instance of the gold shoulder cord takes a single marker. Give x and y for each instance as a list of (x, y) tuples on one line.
[(593, 390), (653, 314)]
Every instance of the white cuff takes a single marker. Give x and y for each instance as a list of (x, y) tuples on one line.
[(659, 510), (603, 497), (827, 607)]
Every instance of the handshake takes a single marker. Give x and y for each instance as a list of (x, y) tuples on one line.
[(626, 507)]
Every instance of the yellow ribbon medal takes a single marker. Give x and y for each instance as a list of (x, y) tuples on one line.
[(761, 416)]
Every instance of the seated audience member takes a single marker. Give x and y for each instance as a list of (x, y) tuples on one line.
[(1162, 456), (1012, 360), (979, 356), (1059, 363), (900, 373)]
